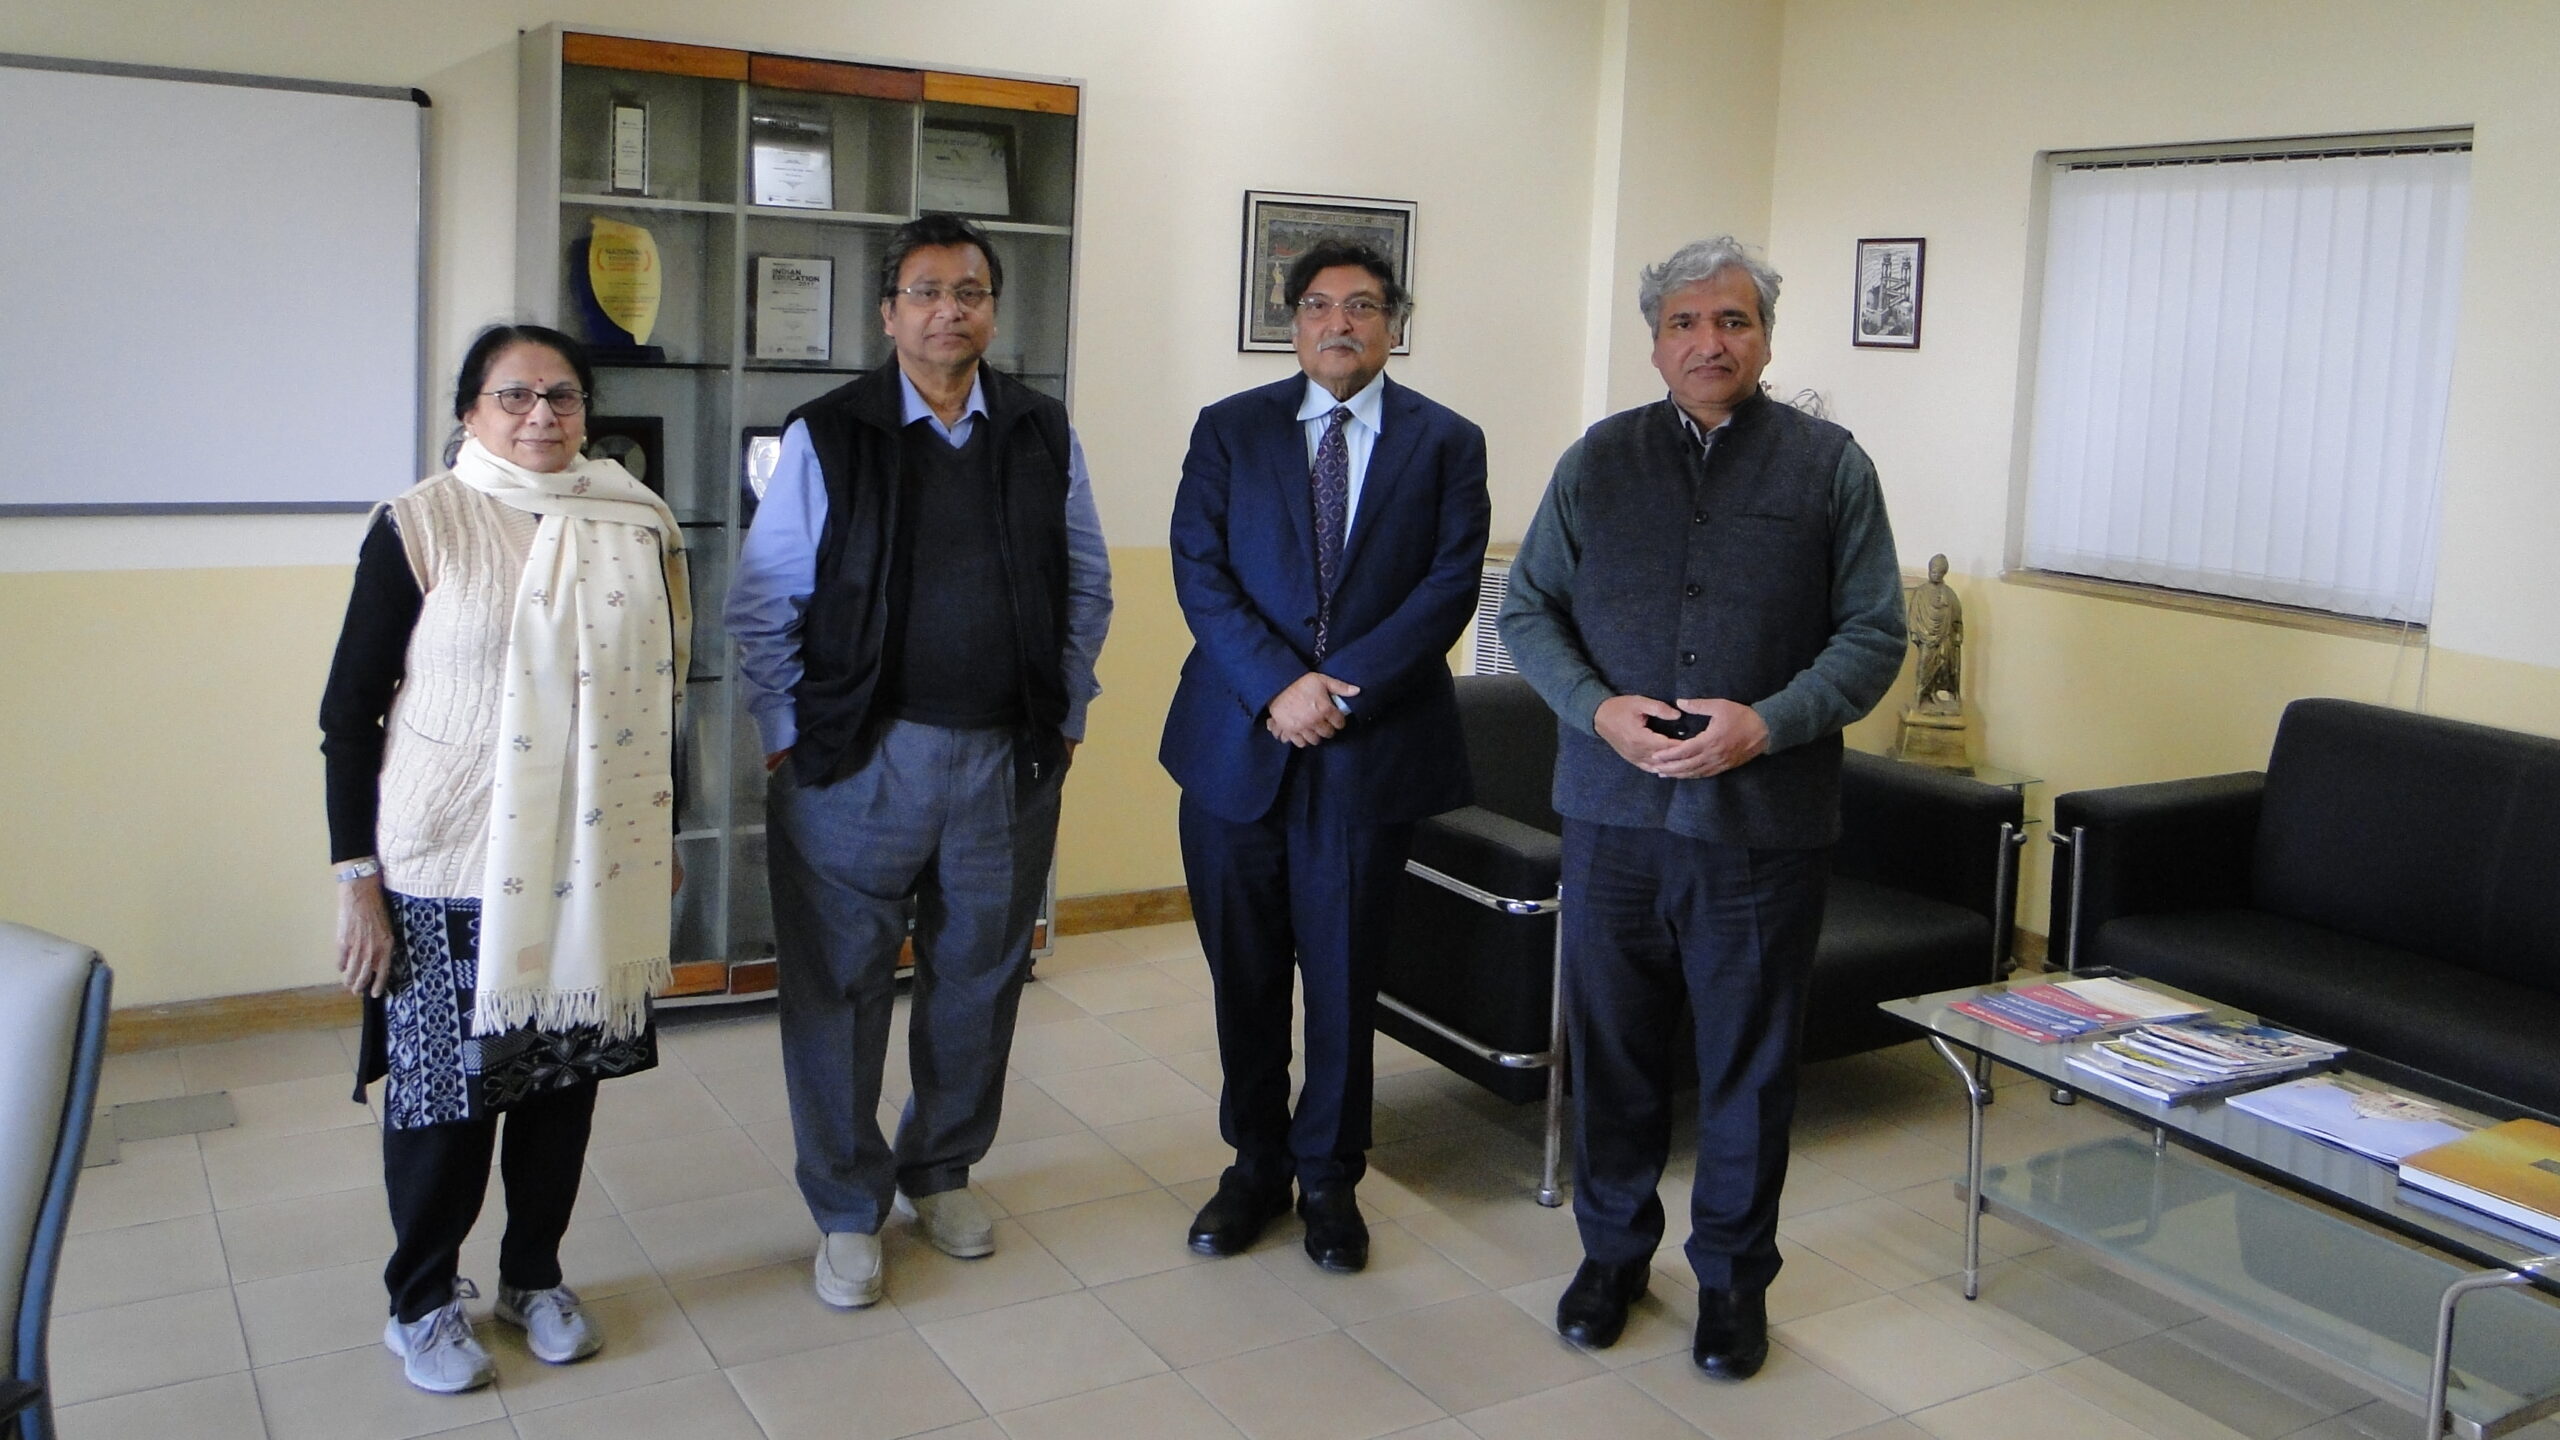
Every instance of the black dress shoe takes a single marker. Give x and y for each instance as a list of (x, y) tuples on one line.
[(1733, 1333), (1593, 1310), (1337, 1238), (1234, 1217)]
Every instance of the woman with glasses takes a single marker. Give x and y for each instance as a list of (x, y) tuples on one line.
[(498, 728)]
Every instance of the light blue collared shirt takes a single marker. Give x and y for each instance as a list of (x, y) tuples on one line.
[(778, 570), (1359, 433)]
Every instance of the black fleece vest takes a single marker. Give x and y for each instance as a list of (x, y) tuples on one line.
[(1709, 579), (858, 436)]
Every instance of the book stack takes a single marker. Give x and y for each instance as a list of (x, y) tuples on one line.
[(2074, 1009), (2200, 1057), (2511, 1171), (2378, 1124)]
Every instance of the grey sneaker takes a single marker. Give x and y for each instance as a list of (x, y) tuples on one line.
[(849, 1272), (438, 1351), (954, 1221), (555, 1329)]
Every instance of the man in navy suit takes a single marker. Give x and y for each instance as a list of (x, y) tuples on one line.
[(1327, 542)]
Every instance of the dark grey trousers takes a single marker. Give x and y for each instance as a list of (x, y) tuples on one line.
[(933, 813)]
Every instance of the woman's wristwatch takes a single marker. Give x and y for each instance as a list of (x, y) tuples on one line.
[(355, 870)]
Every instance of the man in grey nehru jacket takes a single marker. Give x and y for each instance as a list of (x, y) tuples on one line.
[(1708, 594)]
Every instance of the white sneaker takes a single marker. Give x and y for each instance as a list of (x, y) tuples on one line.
[(849, 1271), (438, 1352), (555, 1329), (954, 1221)]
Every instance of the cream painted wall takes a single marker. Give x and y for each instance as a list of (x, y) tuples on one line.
[(1898, 119), (162, 783), (1695, 152)]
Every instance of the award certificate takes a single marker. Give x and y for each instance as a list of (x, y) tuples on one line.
[(966, 169), (791, 162), (630, 148), (794, 307)]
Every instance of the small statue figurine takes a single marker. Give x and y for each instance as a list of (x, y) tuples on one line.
[(1933, 728), (1937, 631)]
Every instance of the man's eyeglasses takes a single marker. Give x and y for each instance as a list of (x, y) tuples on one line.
[(1358, 307), (517, 400), (971, 297)]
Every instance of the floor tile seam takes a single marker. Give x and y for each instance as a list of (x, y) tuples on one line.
[(60, 1315), (221, 1209), (1887, 1405), (1331, 1327), (1439, 1411), (1687, 1425)]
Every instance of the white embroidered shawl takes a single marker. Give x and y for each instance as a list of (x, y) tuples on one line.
[(576, 904)]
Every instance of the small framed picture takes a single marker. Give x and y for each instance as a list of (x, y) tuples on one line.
[(1278, 228), (794, 308), (966, 167), (759, 450), (791, 155), (635, 442), (1886, 314)]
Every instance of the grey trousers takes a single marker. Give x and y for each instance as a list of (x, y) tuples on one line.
[(933, 813)]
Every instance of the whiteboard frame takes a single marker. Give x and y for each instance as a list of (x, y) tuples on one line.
[(424, 456)]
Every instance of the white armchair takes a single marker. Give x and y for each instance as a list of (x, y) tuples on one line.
[(53, 1033)]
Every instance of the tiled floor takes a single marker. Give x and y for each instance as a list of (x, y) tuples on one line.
[(228, 1285)]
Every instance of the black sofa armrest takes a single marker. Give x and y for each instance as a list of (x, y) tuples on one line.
[(1491, 852), (2143, 849), (1924, 831)]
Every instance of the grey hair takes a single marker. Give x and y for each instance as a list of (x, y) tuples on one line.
[(1702, 260)]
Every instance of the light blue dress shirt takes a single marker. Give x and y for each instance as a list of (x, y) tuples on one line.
[(778, 570), (1359, 433)]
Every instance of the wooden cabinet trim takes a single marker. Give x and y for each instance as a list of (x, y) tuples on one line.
[(612, 52), (831, 77), (950, 89)]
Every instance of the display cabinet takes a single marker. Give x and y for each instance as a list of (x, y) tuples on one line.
[(711, 221)]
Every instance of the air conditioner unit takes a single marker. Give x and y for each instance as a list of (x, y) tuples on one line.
[(1486, 654)]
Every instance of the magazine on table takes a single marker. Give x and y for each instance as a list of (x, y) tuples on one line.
[(2378, 1124), (2511, 1171), (2200, 1057), (2074, 1009)]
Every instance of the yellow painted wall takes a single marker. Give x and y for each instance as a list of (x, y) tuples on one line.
[(160, 781), (1899, 119)]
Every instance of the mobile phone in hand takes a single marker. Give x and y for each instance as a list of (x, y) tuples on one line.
[(1680, 729)]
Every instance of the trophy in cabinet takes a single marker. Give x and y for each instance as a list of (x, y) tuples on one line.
[(617, 280)]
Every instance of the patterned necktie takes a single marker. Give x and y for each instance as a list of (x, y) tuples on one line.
[(1330, 491)]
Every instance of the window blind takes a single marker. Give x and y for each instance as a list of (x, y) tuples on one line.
[(2243, 372)]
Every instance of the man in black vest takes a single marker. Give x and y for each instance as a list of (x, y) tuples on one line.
[(917, 610), (1708, 594)]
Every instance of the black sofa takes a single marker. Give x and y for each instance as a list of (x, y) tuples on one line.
[(2390, 881), (1921, 899)]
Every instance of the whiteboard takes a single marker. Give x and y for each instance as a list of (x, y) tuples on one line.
[(211, 291)]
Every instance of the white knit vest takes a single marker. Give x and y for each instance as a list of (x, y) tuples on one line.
[(440, 744)]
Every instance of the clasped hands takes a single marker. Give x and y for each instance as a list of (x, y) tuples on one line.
[(1304, 714), (1735, 734)]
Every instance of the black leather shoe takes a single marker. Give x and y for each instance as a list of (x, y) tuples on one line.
[(1593, 1310), (1234, 1217), (1733, 1333), (1337, 1238)]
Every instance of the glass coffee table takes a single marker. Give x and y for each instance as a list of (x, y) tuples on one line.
[(2315, 1248)]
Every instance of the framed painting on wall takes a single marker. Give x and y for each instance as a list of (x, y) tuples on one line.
[(1886, 314), (1279, 227)]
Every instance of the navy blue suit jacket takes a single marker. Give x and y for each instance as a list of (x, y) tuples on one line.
[(1244, 568)]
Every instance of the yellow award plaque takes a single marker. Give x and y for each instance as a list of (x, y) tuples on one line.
[(622, 269)]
